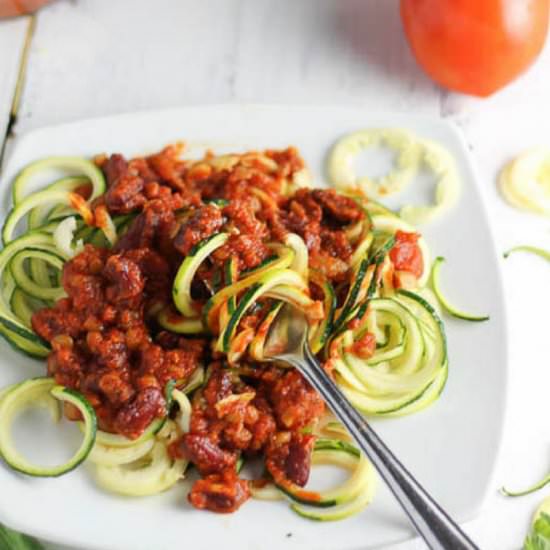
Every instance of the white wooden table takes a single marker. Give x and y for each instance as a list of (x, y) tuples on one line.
[(98, 57)]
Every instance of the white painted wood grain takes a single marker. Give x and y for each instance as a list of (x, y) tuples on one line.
[(98, 57), (12, 37), (327, 51)]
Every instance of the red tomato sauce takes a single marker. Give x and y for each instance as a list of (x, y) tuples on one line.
[(107, 344), (406, 254)]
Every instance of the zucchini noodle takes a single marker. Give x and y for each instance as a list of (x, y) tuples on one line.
[(413, 154), (345, 500), (525, 181), (342, 157), (42, 392), (451, 309)]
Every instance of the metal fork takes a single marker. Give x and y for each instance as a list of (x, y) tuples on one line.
[(431, 522)]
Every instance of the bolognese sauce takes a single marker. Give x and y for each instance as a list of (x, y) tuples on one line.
[(107, 344)]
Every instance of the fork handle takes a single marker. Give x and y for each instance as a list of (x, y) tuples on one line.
[(433, 524)]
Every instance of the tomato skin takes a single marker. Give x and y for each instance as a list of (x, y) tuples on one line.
[(475, 46), (13, 8)]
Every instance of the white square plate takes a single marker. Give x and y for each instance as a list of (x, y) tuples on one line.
[(451, 447)]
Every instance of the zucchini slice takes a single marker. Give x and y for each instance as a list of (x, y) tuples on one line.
[(103, 455), (370, 206), (374, 208), (196, 380), (441, 164), (39, 273), (450, 308), (230, 275), (44, 212), (36, 240), (524, 181), (13, 540), (321, 335), (429, 396), (297, 297), (346, 509), (341, 161), (181, 291), (43, 391), (183, 417), (103, 220), (344, 500), (80, 166), (152, 474), (117, 440), (357, 291), (22, 307), (256, 347), (22, 344), (403, 382), (364, 282), (179, 324), (334, 428), (4, 391), (282, 257), (274, 278), (541, 252), (265, 490), (361, 249), (211, 310), (67, 198), (408, 371), (238, 345), (527, 491), (26, 284)]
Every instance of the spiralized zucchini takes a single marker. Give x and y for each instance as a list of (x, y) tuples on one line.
[(537, 251), (119, 441), (42, 392), (525, 181), (153, 473), (345, 500), (451, 309), (104, 455), (413, 154), (404, 372), (343, 156), (32, 255), (440, 163), (143, 467)]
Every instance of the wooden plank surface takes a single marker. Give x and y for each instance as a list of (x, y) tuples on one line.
[(12, 38), (89, 58)]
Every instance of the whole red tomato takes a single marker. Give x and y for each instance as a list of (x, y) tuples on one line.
[(475, 46), (12, 8)]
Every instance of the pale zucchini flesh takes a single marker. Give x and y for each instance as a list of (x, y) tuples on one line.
[(40, 391)]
